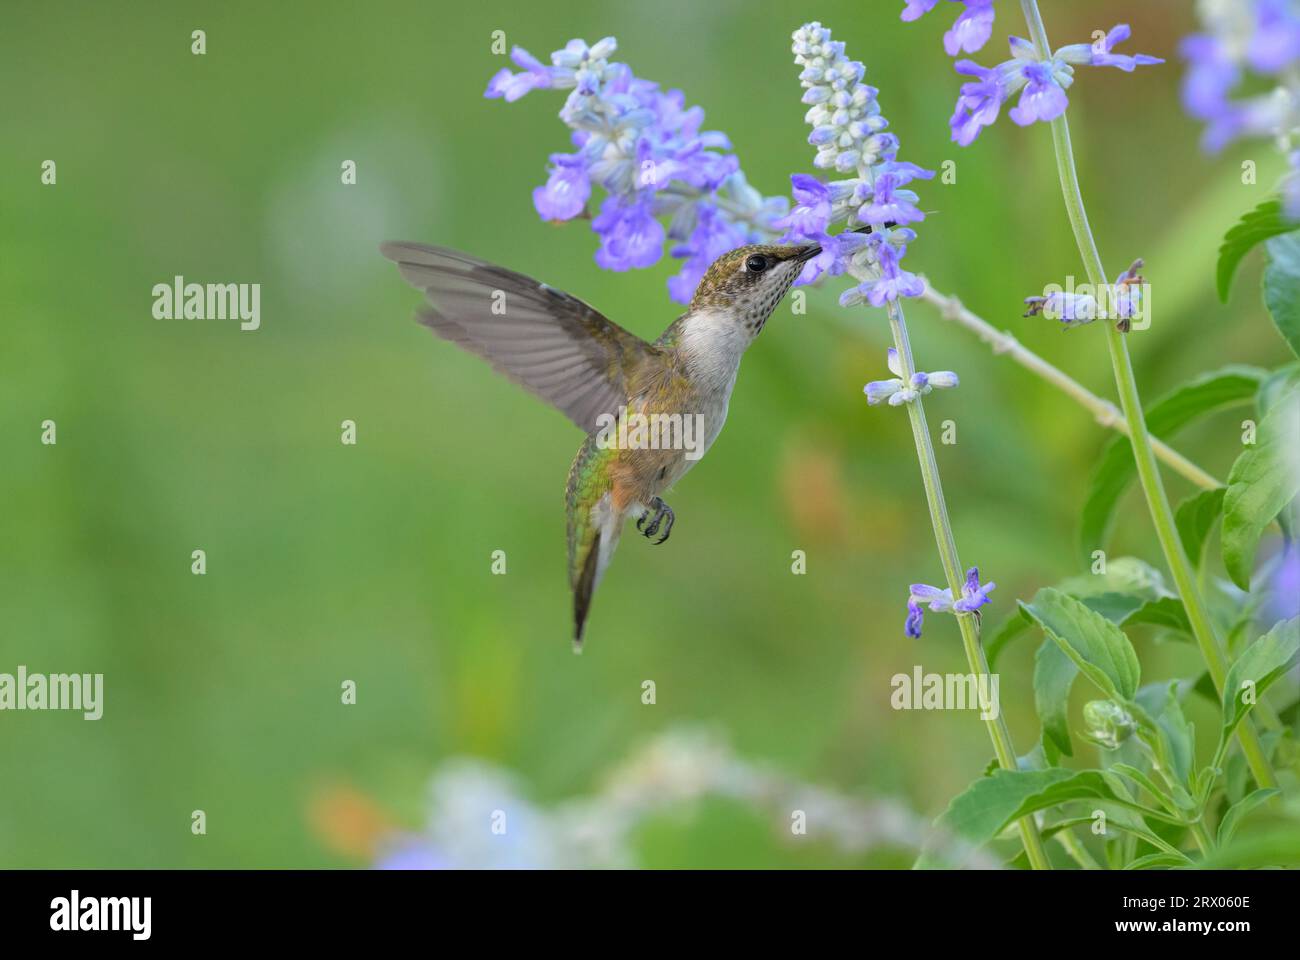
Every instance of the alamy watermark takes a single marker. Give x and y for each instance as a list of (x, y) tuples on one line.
[(651, 431), (946, 691), (53, 691), (179, 300)]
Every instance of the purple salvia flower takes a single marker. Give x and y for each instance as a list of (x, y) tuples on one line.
[(915, 9), (980, 101), (915, 617), (566, 191), (973, 596), (902, 389), (971, 30), (630, 235), (889, 204), (811, 213), (1042, 99)]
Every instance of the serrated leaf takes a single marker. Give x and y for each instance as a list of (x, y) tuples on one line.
[(1252, 229), (1282, 286), (1194, 519), (990, 804), (1125, 575), (1054, 674), (1097, 646), (1238, 811), (1230, 386), (1263, 480), (1167, 612), (1258, 666)]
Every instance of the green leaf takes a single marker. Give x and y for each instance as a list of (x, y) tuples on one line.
[(1158, 793), (1277, 384), (1054, 674), (1230, 386), (1262, 482), (1282, 286), (1112, 605), (1195, 517), (1258, 666), (1180, 737), (1167, 612), (1253, 228), (1124, 575), (1097, 646), (990, 804), (1237, 812), (1264, 848), (1158, 860)]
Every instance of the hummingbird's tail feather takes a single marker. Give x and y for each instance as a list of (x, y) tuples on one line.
[(584, 589)]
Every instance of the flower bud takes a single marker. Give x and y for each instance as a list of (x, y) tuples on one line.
[(1106, 723)]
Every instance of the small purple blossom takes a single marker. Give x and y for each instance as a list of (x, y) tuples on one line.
[(630, 236), (971, 30), (915, 618), (973, 596), (889, 282), (811, 213), (566, 191), (890, 203), (1042, 99), (903, 388)]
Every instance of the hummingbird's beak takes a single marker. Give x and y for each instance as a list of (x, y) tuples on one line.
[(808, 252)]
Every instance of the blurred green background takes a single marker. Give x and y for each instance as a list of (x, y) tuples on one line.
[(372, 563)]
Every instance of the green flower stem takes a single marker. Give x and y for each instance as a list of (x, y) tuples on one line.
[(1201, 837), (967, 622), (1130, 402)]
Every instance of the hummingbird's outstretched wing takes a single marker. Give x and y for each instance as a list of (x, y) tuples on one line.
[(552, 343)]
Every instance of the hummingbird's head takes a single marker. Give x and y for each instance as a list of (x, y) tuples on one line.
[(747, 283)]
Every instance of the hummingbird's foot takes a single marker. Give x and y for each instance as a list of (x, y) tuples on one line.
[(661, 515)]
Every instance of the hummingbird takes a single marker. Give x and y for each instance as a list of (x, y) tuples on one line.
[(604, 378)]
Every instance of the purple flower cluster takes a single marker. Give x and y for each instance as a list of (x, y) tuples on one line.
[(973, 596), (1256, 43), (644, 146), (850, 135), (1040, 83)]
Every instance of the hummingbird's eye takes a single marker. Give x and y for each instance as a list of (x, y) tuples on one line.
[(756, 264)]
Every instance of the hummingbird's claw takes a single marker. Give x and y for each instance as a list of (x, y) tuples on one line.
[(663, 516)]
